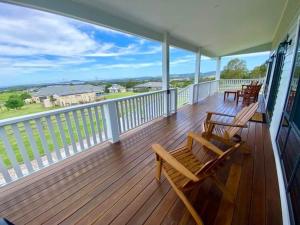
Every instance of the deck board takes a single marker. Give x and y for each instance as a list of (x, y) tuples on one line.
[(114, 183)]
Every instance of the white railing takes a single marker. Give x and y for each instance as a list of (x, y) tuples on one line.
[(236, 84), (183, 96), (32, 142), (137, 110), (199, 92)]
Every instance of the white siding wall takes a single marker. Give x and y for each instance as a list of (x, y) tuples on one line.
[(278, 109)]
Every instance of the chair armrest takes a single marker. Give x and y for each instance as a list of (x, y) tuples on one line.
[(161, 152), (205, 142), (226, 124), (220, 114)]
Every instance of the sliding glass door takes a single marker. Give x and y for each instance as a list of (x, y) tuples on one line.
[(288, 139)]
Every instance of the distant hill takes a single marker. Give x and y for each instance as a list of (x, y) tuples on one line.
[(143, 78)]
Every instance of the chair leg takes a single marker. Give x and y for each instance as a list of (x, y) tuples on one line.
[(189, 207), (192, 197), (186, 202), (158, 167)]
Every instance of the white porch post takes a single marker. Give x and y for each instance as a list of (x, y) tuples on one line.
[(193, 91), (111, 116), (218, 72), (198, 65), (166, 73)]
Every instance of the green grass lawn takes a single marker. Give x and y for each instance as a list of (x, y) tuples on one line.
[(119, 95), (25, 110)]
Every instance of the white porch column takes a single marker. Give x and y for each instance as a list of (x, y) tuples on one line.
[(218, 69), (193, 91), (166, 73), (111, 116), (198, 65), (218, 72)]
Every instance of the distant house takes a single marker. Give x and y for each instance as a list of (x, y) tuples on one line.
[(66, 95), (116, 88), (149, 86)]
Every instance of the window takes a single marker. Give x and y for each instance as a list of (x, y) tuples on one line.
[(270, 67)]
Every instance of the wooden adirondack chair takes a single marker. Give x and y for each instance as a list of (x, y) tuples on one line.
[(185, 171), (225, 132)]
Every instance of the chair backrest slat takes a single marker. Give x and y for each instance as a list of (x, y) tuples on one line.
[(221, 158), (212, 165), (241, 119)]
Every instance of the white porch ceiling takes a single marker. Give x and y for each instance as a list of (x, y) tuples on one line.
[(218, 27)]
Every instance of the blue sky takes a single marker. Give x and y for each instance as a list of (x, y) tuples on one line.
[(38, 47)]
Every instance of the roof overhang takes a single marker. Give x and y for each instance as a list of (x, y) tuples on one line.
[(217, 27)]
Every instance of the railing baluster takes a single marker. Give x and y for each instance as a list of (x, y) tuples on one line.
[(86, 131), (130, 114), (22, 148), (157, 105), (70, 129), (98, 123), (126, 114), (119, 117), (10, 152), (43, 140), (33, 145), (122, 116), (143, 109), (92, 125), (53, 137), (153, 106), (78, 129), (138, 112), (4, 172), (134, 112), (104, 122), (148, 107), (62, 134)]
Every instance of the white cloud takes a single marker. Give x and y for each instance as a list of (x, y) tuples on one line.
[(41, 34), (129, 65)]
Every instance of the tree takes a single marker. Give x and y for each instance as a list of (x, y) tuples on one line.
[(14, 102), (258, 71), (235, 69), (106, 87), (25, 95)]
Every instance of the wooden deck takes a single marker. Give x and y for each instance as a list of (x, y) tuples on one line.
[(114, 183)]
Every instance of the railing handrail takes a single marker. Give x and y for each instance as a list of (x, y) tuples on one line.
[(54, 112), (262, 78), (205, 82), (184, 89)]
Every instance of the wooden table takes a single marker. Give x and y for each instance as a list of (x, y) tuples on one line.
[(227, 92)]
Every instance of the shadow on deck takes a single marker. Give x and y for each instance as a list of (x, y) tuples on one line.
[(114, 183)]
